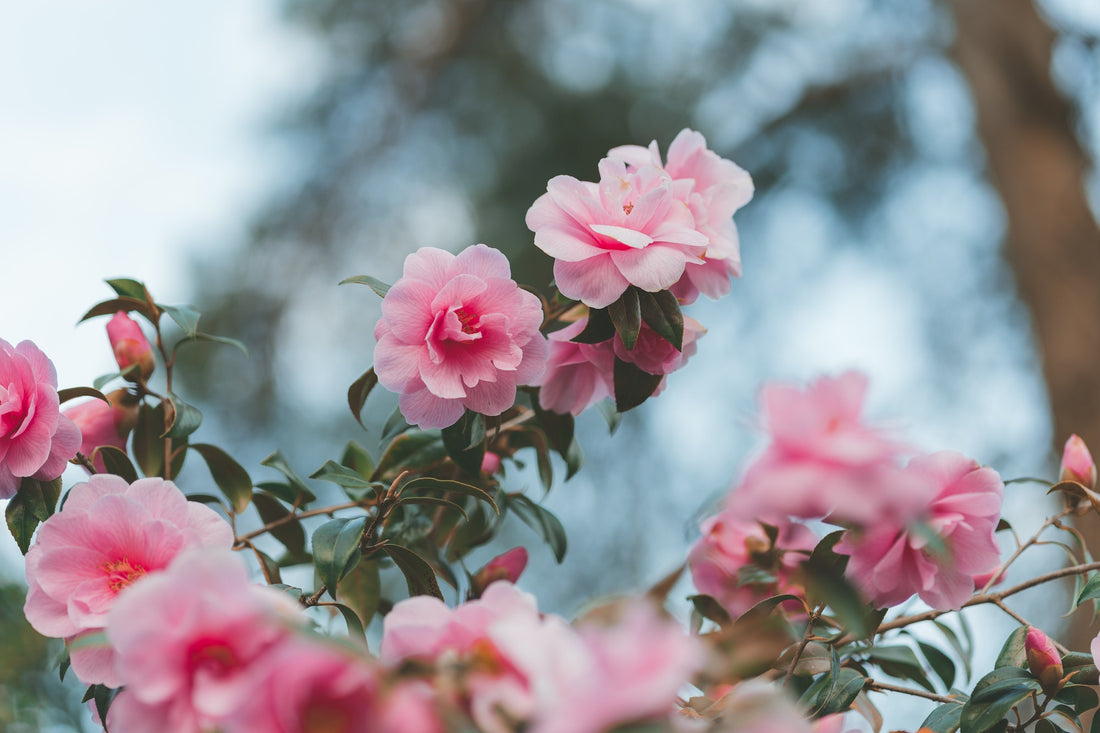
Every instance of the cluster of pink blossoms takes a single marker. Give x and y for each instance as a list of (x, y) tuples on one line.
[(924, 527)]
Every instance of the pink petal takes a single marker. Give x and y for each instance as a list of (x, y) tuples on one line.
[(597, 282)]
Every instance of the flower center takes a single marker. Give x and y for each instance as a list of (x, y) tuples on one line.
[(627, 208), (213, 655), (122, 573), (466, 319)]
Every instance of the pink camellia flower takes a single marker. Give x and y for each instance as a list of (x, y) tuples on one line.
[(494, 692), (189, 641), (629, 229), (824, 460), (129, 344), (457, 332), (577, 375), (731, 543), (36, 440), (490, 463), (1043, 660), (891, 561), (105, 423), (506, 566), (109, 535), (1077, 463), (713, 188), (594, 677), (651, 353), (410, 707)]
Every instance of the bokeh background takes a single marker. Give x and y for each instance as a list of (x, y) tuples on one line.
[(924, 213)]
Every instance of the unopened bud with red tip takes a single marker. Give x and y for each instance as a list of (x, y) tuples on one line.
[(105, 423), (1077, 463), (1043, 660), (508, 566), (129, 344)]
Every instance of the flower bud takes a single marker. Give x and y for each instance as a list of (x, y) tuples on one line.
[(507, 566), (129, 344), (490, 464), (1077, 463), (105, 423), (1043, 660)]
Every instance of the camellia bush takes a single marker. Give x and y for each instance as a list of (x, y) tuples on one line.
[(171, 599)]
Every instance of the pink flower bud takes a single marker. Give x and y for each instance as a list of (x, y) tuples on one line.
[(507, 566), (490, 464), (1077, 463), (129, 344), (102, 424), (1043, 660)]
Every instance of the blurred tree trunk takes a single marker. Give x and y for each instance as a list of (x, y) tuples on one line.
[(1053, 242)]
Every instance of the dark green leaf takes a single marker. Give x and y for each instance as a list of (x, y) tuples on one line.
[(465, 442), (341, 475), (825, 582), (766, 606), (357, 459), (182, 419), (474, 533), (991, 684), (186, 317), (229, 475), (291, 590), (335, 547), (953, 640), (945, 718), (1012, 652), (610, 415), (900, 662), (269, 566), (983, 711), (279, 463), (598, 329), (1079, 697), (355, 625), (1044, 725), (709, 608), (542, 521), (110, 307), (941, 664), (626, 316), (21, 521), (434, 501), (558, 427), (395, 424), (358, 392), (361, 589), (199, 337), (828, 695), (116, 461), (1083, 667), (415, 450), (64, 395), (1091, 589), (632, 385), (574, 459), (661, 312), (418, 573), (535, 438), (373, 283), (124, 287), (429, 486), (291, 533), (102, 697)]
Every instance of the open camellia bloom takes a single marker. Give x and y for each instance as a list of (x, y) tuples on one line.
[(457, 332), (824, 460), (731, 543), (577, 375), (713, 188), (36, 440), (629, 229), (109, 535), (891, 561)]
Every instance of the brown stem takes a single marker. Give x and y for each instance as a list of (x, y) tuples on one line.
[(1000, 573), (884, 687), (274, 524), (83, 460), (806, 635)]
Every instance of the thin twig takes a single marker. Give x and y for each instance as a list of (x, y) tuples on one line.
[(884, 687)]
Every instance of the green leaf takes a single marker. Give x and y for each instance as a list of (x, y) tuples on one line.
[(358, 392), (465, 442), (361, 590), (1013, 653), (661, 312), (186, 317), (395, 424), (542, 521), (626, 316), (534, 437), (419, 575), (900, 662), (610, 415), (828, 694), (559, 428), (64, 395), (336, 549), (574, 459), (333, 472), (953, 640), (269, 566), (1079, 697), (21, 521), (182, 419), (632, 385), (1091, 589), (766, 606), (102, 697), (434, 501), (709, 608), (354, 624), (373, 283), (116, 461), (229, 475), (199, 337), (474, 533), (1083, 667), (945, 718), (357, 459), (124, 287), (291, 533), (598, 329), (941, 664), (825, 582), (110, 307), (302, 491), (437, 486), (416, 450), (994, 696)]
